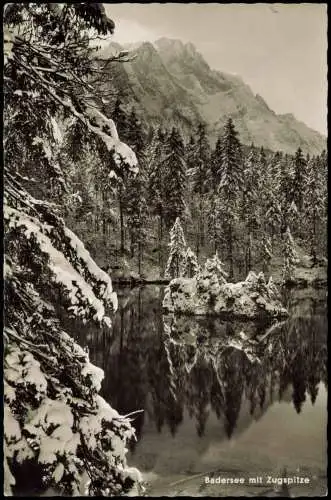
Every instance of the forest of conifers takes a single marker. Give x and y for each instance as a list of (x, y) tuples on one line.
[(231, 198)]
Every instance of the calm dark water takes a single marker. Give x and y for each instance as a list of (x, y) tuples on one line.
[(217, 408)]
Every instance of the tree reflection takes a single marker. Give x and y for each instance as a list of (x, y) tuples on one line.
[(168, 366)]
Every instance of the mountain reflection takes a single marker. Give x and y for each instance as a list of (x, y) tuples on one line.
[(171, 367)]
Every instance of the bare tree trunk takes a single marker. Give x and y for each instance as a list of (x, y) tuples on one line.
[(121, 220), (230, 252), (139, 257), (249, 252), (202, 229), (215, 224), (103, 216), (122, 329), (199, 228), (246, 261), (139, 309), (198, 243), (160, 242), (96, 228), (131, 244), (314, 242)]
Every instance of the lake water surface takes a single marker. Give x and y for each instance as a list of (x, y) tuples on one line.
[(214, 409)]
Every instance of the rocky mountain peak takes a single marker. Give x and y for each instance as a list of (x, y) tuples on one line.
[(170, 44), (172, 84)]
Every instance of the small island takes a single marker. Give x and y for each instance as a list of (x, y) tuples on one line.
[(210, 295)]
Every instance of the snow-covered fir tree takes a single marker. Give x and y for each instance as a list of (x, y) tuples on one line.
[(292, 215), (214, 266), (213, 220), (199, 159), (55, 420), (250, 202), (174, 168), (212, 203), (214, 172), (137, 213), (191, 266), (299, 178), (135, 136), (58, 431), (230, 186), (190, 155), (313, 202), (290, 257), (154, 158), (285, 188), (198, 174), (121, 119), (266, 253), (176, 260), (135, 202), (273, 216), (156, 184), (275, 168), (272, 210)]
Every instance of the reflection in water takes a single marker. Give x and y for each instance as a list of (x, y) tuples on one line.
[(178, 367)]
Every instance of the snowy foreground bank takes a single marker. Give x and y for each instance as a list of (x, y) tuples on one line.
[(252, 298)]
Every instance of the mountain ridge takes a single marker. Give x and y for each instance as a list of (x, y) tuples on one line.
[(170, 84)]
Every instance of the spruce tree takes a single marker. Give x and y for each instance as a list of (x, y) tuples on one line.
[(268, 187), (215, 266), (176, 260), (323, 160), (290, 257), (213, 220), (174, 168), (275, 168), (121, 118), (299, 179), (273, 216), (155, 171), (272, 211), (231, 185), (313, 203), (285, 192), (200, 158), (213, 203), (292, 215), (251, 202), (156, 184), (191, 266), (266, 254), (135, 136), (137, 213), (135, 204), (214, 173), (190, 156)]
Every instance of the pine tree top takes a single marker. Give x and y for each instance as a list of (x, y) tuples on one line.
[(177, 229), (215, 265)]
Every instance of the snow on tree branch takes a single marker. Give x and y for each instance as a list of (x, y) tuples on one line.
[(54, 417), (70, 263)]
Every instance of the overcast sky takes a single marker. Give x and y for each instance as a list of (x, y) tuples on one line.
[(280, 50)]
